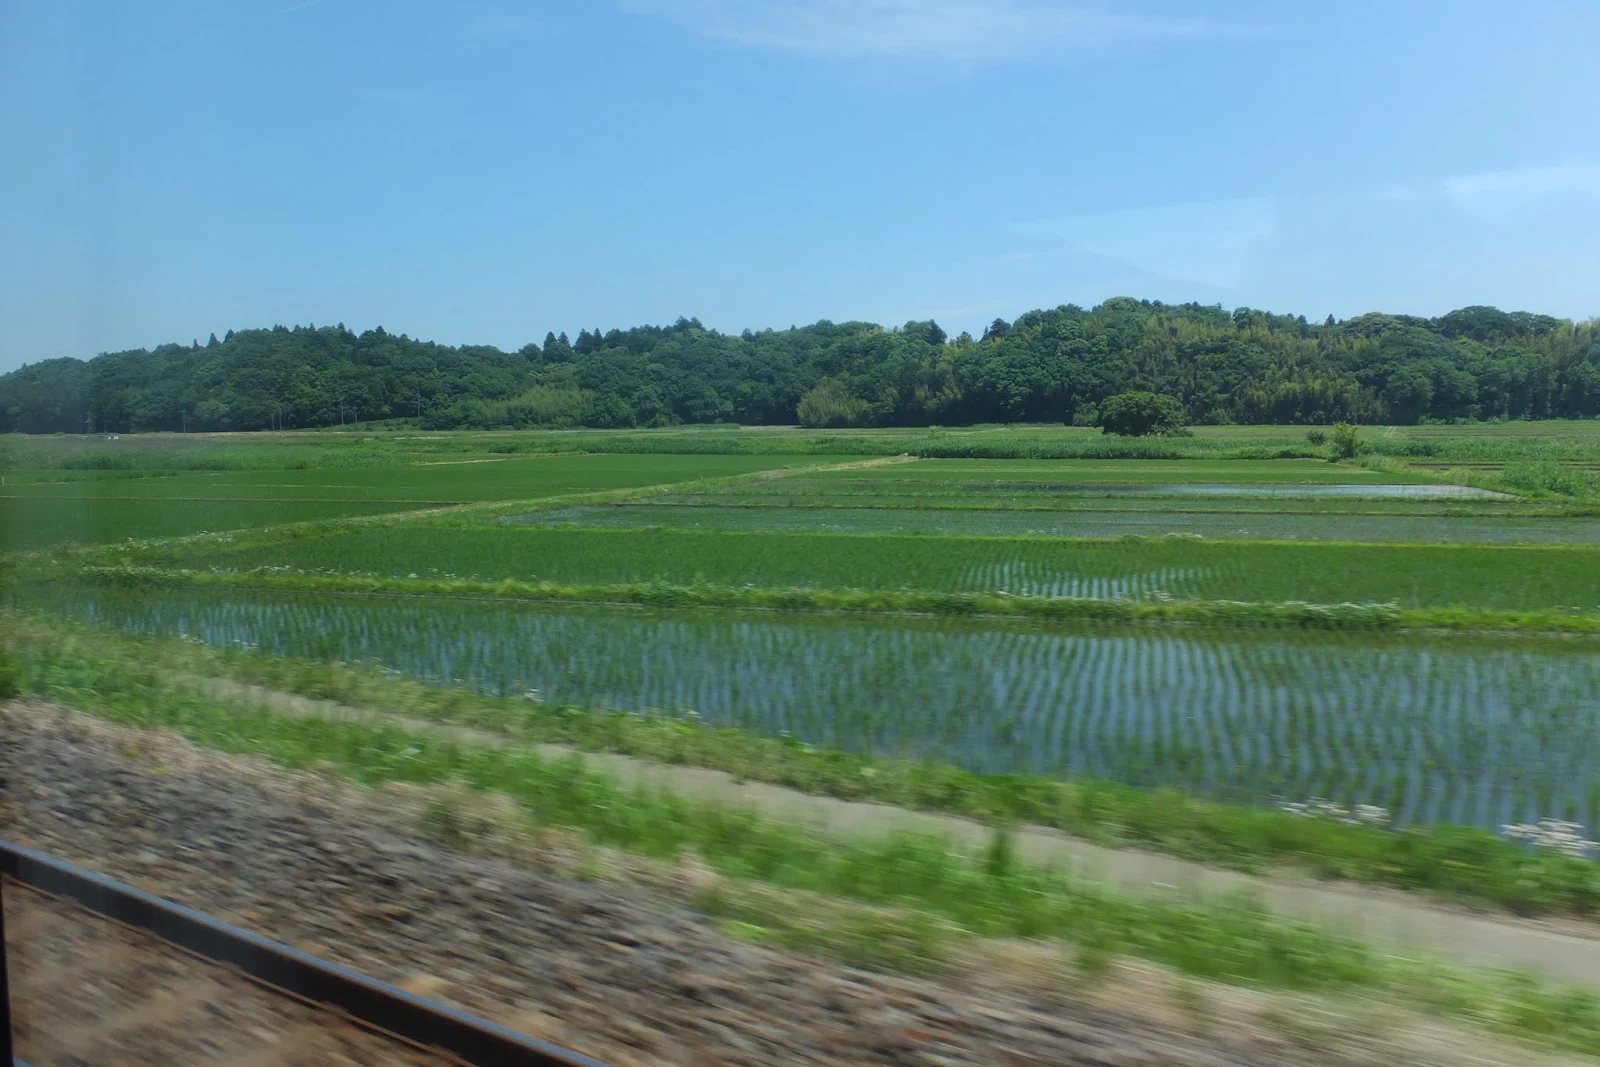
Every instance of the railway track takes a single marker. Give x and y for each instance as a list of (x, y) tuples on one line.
[(96, 972)]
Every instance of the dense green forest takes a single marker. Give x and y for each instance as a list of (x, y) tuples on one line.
[(1057, 365)]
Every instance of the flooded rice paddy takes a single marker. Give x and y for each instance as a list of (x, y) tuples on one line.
[(1435, 729)]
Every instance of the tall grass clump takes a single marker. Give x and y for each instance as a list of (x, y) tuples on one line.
[(1344, 442), (1543, 477)]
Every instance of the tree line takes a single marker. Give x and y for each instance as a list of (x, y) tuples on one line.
[(1054, 365)]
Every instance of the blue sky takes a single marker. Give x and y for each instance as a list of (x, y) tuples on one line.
[(484, 172)]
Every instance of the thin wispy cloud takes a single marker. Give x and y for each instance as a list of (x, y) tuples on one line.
[(962, 31), (1500, 193), (1487, 237), (1211, 243)]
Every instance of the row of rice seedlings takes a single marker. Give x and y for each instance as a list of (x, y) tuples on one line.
[(1493, 577), (1430, 732), (1031, 578), (1083, 523), (804, 498)]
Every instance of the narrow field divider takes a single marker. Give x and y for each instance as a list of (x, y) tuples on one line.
[(1234, 613)]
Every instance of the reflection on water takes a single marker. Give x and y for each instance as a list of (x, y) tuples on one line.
[(1431, 729)]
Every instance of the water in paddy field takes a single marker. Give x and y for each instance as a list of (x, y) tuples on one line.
[(1035, 579), (1436, 729)]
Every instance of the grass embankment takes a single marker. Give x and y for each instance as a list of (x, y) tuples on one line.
[(1215, 613), (927, 893), (1464, 864)]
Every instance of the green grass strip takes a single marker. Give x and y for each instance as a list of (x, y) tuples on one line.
[(1227, 613), (1459, 863)]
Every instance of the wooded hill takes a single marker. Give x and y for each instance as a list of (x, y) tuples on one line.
[(1047, 366)]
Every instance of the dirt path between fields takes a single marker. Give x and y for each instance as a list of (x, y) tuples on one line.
[(1560, 948)]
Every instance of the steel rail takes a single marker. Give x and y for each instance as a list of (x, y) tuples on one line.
[(7, 1054), (377, 1004)]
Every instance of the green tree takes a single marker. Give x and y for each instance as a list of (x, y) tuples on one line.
[(1345, 442), (1139, 413), (830, 405), (210, 414), (1048, 365)]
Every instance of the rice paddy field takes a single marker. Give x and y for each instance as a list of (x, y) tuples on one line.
[(1483, 726), (1265, 500), (46, 506), (1412, 575)]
